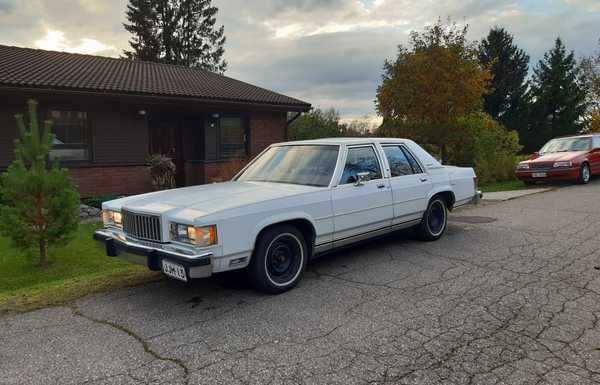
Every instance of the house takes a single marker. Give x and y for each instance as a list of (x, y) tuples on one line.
[(109, 114)]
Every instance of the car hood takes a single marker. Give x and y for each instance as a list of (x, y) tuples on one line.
[(195, 201), (559, 156)]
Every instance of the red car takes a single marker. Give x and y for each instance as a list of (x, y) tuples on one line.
[(573, 158)]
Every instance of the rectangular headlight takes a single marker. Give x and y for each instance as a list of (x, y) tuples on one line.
[(112, 218), (199, 236), (523, 166), (562, 164)]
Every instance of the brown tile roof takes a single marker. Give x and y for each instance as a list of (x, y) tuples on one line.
[(35, 68)]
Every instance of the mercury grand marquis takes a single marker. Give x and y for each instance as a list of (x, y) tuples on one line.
[(294, 201)]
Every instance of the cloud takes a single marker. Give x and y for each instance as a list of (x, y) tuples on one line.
[(591, 5), (6, 6), (56, 41), (327, 52)]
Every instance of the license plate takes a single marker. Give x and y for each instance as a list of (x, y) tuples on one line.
[(174, 270), (539, 175)]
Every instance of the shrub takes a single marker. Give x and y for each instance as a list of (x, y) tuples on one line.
[(97, 201), (475, 140), (162, 171), (39, 205), (486, 146)]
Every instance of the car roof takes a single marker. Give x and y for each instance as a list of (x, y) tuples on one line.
[(577, 136), (346, 141)]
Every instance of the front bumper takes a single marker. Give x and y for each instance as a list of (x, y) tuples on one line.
[(197, 265), (477, 197), (571, 173)]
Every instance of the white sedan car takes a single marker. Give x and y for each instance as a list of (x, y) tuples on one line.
[(295, 201)]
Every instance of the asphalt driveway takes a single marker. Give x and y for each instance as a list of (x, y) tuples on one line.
[(510, 296)]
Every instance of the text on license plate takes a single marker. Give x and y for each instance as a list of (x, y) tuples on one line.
[(539, 175), (174, 270)]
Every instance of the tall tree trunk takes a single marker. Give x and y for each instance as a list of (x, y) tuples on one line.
[(43, 259)]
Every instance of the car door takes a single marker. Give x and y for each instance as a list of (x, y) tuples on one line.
[(361, 210), (409, 183), (594, 156)]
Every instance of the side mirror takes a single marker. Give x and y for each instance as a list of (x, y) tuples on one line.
[(535, 155), (362, 177)]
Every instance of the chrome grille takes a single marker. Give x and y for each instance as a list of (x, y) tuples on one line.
[(142, 226), (541, 165)]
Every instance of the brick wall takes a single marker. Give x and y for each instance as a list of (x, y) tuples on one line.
[(266, 128), (118, 180)]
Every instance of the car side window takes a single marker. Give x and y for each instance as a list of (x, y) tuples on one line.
[(361, 159), (398, 161), (413, 162)]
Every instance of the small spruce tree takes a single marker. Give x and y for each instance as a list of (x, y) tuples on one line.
[(38, 206)]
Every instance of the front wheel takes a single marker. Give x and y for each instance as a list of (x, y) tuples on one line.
[(279, 260), (435, 220), (584, 174)]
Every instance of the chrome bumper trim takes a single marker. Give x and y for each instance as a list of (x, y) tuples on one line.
[(197, 265)]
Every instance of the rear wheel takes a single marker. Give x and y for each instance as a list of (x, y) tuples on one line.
[(584, 174), (435, 220), (279, 260)]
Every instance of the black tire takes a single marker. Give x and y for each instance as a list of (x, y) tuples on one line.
[(435, 220), (279, 260), (585, 174)]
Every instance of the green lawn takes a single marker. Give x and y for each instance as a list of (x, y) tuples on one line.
[(506, 186), (77, 269)]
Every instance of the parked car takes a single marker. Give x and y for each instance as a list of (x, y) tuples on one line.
[(295, 201), (571, 158)]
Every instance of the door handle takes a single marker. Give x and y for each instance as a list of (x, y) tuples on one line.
[(424, 179), (381, 185)]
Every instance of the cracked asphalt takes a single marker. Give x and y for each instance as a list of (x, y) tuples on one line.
[(511, 295)]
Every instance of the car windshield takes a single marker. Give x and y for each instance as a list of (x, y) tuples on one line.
[(310, 165), (567, 144)]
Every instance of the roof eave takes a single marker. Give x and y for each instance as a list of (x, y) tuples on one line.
[(304, 107)]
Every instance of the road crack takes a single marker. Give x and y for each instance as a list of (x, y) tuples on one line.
[(179, 363)]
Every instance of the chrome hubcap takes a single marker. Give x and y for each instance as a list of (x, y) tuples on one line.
[(586, 173)]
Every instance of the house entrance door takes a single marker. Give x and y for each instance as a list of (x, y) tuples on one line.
[(165, 139)]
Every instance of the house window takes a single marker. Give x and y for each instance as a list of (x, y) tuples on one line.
[(71, 142), (232, 137)]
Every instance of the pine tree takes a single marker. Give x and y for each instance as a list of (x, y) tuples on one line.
[(507, 101), (180, 32), (144, 42), (559, 98), (39, 206)]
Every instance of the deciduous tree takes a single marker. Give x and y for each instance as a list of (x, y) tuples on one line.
[(430, 84), (316, 124), (590, 68)]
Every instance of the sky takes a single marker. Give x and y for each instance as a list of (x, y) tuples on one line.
[(326, 52)]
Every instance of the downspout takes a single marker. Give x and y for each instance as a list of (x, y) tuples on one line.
[(290, 121)]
